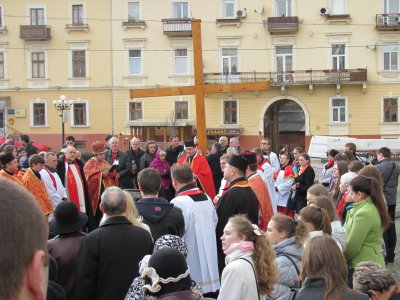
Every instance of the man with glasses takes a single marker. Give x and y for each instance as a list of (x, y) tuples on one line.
[(134, 155)]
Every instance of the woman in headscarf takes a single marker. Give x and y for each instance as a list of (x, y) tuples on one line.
[(163, 168)]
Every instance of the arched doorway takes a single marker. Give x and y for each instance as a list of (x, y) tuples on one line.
[(285, 124)]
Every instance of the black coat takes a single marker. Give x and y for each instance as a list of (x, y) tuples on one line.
[(124, 169), (172, 154), (303, 183), (236, 200), (314, 289), (88, 204), (213, 161), (108, 259)]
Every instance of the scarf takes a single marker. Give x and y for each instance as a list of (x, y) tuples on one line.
[(303, 168), (72, 187), (160, 165), (243, 247)]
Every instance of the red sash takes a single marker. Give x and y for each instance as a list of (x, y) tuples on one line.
[(72, 187), (196, 191), (241, 184), (52, 178)]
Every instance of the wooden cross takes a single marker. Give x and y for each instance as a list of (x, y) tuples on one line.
[(199, 89)]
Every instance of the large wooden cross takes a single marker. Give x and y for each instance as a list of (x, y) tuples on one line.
[(199, 89)]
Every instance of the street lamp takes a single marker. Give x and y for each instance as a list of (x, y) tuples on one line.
[(62, 105)]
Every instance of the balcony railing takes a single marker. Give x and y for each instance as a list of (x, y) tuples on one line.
[(279, 25), (34, 32), (177, 27), (387, 22), (303, 77), (132, 23)]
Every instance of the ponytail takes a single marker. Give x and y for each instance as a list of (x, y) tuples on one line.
[(318, 217), (298, 228)]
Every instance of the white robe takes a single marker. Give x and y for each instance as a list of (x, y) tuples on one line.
[(56, 193), (200, 222), (283, 185), (267, 175)]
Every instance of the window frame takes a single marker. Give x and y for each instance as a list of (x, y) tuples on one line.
[(343, 12), (224, 3), (72, 119), (386, 7), (2, 16), (186, 64), (2, 65), (83, 18), (135, 58), (130, 110), (385, 44), (36, 18), (397, 110), (33, 103), (73, 61), (181, 3), (138, 13), (288, 8), (332, 108), (180, 110), (338, 56), (38, 64), (224, 112)]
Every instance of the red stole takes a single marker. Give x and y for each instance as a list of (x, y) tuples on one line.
[(191, 192), (72, 185), (52, 178)]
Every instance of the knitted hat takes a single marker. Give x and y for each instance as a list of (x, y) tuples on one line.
[(239, 162), (249, 156), (6, 158), (171, 241), (166, 267)]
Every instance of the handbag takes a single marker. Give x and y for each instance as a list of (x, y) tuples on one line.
[(291, 202)]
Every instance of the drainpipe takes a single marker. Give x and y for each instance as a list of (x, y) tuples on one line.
[(112, 67)]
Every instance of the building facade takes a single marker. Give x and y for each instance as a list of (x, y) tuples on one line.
[(333, 68)]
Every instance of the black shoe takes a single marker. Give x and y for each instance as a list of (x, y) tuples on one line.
[(389, 260)]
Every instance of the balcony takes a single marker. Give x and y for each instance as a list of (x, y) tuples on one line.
[(282, 25), (77, 27), (34, 32), (132, 23), (177, 27), (388, 22), (292, 78)]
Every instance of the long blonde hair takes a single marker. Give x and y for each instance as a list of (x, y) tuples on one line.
[(263, 254), (131, 212)]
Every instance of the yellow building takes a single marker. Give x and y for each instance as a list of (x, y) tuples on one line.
[(333, 67)]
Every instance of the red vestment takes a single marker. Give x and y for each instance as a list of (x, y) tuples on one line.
[(265, 211), (39, 191), (94, 176), (201, 169), (14, 178)]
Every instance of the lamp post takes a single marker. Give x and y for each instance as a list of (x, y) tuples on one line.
[(62, 105)]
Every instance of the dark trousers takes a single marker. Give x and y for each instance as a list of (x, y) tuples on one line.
[(390, 234)]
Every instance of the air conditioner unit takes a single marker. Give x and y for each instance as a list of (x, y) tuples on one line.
[(241, 13), (324, 11)]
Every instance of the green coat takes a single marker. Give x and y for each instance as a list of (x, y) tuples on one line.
[(364, 233)]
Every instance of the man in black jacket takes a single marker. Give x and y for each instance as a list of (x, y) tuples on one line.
[(109, 256), (134, 155), (70, 171), (30, 149), (161, 216), (124, 164), (174, 150)]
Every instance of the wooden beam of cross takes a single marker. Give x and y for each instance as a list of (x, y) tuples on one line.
[(199, 89)]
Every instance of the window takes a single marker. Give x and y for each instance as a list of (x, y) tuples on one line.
[(390, 109), (135, 111), (181, 61), (230, 112), (1, 16), (339, 110), (77, 14), (229, 60), (79, 114), (284, 62), (133, 11), (228, 8), (38, 65), (39, 114), (392, 6), (390, 54), (283, 8), (338, 7), (2, 70), (181, 10), (37, 16), (181, 110), (338, 57), (79, 63), (135, 62)]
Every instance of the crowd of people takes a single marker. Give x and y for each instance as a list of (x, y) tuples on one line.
[(230, 224)]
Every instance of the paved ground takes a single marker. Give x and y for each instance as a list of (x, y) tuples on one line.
[(395, 268)]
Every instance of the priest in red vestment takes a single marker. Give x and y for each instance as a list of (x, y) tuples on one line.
[(98, 177), (10, 166), (201, 170)]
